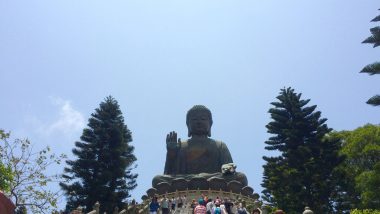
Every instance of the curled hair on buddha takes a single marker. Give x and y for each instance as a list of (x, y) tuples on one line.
[(198, 108)]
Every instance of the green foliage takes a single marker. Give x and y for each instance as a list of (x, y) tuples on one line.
[(376, 19), (27, 181), (375, 67), (6, 175), (21, 210), (368, 184), (367, 211), (302, 174), (105, 160), (375, 100), (374, 38), (361, 168), (372, 69)]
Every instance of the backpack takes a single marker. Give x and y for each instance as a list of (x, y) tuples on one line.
[(217, 210)]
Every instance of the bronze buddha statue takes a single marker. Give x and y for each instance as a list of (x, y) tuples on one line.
[(199, 156)]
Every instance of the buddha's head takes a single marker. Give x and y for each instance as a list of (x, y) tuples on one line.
[(199, 121)]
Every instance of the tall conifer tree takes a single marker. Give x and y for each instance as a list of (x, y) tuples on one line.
[(301, 175), (105, 160)]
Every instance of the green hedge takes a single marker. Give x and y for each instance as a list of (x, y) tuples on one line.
[(368, 211)]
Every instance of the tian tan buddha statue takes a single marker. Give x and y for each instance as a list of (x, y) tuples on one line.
[(200, 156)]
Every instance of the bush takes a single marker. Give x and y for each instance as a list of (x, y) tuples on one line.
[(367, 211)]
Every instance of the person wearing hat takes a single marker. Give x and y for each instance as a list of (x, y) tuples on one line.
[(200, 208)]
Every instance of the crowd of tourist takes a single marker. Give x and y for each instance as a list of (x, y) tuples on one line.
[(203, 205), (166, 205)]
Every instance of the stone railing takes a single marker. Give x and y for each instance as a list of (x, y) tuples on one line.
[(143, 208), (132, 209), (195, 194), (248, 199)]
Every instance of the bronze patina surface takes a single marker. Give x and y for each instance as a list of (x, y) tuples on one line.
[(200, 156)]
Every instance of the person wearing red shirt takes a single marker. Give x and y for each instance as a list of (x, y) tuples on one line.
[(200, 208)]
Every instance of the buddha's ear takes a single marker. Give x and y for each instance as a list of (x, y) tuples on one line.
[(188, 129), (209, 129)]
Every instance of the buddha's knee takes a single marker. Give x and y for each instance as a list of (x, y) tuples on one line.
[(160, 178), (241, 178), (157, 179)]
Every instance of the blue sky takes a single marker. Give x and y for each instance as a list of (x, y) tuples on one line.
[(60, 59)]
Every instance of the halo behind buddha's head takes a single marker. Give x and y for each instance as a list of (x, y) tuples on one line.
[(198, 108)]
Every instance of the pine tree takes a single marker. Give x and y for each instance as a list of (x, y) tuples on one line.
[(105, 160), (301, 175), (373, 68)]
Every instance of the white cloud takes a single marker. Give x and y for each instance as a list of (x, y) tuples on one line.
[(68, 122)]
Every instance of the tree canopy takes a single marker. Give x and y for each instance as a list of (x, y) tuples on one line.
[(301, 175), (361, 168), (105, 160), (26, 180)]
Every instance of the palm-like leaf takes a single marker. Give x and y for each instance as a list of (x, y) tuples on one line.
[(372, 39), (376, 19), (371, 69), (375, 100)]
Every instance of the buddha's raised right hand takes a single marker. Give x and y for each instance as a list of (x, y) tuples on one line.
[(171, 141)]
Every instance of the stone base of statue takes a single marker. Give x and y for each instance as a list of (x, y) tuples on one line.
[(235, 183), (193, 186), (239, 177)]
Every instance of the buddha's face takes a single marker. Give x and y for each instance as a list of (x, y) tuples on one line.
[(199, 123)]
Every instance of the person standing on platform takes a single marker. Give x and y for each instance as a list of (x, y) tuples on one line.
[(200, 208), (165, 205), (209, 206), (172, 204), (153, 206)]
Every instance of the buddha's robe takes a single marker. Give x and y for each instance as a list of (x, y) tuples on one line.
[(198, 159)]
